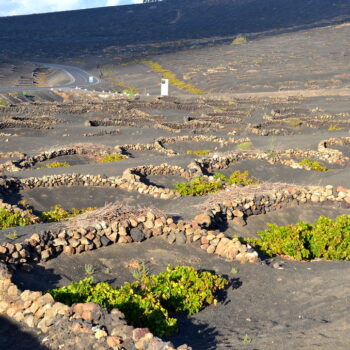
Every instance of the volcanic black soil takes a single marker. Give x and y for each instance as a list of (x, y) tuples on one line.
[(283, 85)]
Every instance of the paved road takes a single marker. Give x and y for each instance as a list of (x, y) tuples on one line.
[(78, 77)]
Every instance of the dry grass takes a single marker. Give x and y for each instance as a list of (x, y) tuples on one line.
[(110, 213)]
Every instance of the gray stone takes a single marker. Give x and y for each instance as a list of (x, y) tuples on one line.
[(171, 238), (180, 238), (137, 235)]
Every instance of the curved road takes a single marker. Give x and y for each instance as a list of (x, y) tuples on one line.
[(78, 77)]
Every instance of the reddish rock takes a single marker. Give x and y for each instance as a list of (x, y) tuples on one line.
[(239, 221), (203, 219), (139, 333), (114, 341)]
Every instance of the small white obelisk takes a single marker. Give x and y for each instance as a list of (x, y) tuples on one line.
[(164, 90)]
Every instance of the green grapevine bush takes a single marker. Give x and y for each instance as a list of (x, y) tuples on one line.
[(11, 219), (200, 186), (148, 301), (237, 178), (324, 239), (57, 213), (313, 165)]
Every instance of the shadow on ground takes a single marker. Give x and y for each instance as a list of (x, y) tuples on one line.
[(13, 337)]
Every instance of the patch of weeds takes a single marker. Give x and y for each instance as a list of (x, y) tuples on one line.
[(237, 178), (149, 301), (89, 269), (335, 128), (12, 236), (10, 219), (57, 213), (245, 146), (324, 239), (239, 40), (294, 122), (3, 102), (234, 271), (199, 152), (313, 165), (199, 186), (114, 157), (140, 271), (55, 165), (129, 92), (246, 339), (167, 74)]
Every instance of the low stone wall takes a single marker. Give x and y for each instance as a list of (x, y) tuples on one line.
[(25, 162), (285, 157), (102, 133), (261, 131), (132, 177), (202, 138)]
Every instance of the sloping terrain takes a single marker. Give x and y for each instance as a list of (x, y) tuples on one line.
[(122, 29), (257, 86)]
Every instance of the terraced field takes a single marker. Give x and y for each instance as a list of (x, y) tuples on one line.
[(115, 183)]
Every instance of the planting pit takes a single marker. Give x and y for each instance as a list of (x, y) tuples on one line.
[(286, 216), (212, 147), (42, 199), (70, 160)]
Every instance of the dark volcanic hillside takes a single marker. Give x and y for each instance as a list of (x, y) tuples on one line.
[(90, 31)]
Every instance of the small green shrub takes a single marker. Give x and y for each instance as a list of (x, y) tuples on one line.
[(148, 301), (324, 239), (313, 165), (294, 122), (246, 339), (140, 271), (89, 269), (114, 157), (237, 178), (199, 186), (11, 219), (55, 165), (57, 213), (199, 152), (245, 146), (3, 102), (129, 92), (12, 236)]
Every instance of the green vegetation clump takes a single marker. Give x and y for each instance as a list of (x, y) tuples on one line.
[(335, 128), (129, 92), (294, 122), (12, 236), (149, 301), (3, 102), (199, 186), (245, 146), (167, 74), (57, 213), (114, 157), (238, 178), (324, 239), (199, 152), (10, 219), (313, 165), (239, 40), (55, 165)]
